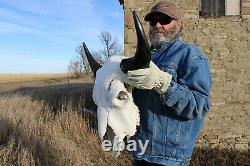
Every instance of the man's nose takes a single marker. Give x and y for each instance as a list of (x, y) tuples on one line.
[(158, 25)]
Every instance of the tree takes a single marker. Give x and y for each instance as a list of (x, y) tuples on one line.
[(110, 48), (75, 68), (110, 45)]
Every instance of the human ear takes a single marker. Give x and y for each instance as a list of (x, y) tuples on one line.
[(179, 24)]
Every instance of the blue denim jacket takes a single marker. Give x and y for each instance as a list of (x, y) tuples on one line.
[(172, 121)]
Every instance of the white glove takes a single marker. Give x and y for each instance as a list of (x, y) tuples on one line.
[(148, 78)]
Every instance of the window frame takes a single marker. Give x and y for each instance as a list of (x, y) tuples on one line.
[(202, 14)]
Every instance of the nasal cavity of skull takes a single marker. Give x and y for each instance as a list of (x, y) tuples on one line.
[(122, 95)]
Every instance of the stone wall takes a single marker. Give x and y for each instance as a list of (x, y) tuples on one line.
[(226, 41)]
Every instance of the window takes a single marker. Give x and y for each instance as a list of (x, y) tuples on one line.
[(214, 8)]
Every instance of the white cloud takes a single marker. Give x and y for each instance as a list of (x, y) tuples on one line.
[(62, 23), (56, 20)]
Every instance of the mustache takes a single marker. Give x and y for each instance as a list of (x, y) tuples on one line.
[(158, 31)]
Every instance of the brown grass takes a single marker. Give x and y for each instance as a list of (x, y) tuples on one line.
[(7, 78), (13, 81), (46, 125), (220, 157)]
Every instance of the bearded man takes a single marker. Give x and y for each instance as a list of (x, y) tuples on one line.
[(173, 94)]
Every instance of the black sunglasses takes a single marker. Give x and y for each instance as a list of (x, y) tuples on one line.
[(162, 21)]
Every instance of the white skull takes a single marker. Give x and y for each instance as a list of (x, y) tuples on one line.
[(115, 103), (116, 108)]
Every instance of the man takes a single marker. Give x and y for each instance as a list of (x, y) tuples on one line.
[(173, 94)]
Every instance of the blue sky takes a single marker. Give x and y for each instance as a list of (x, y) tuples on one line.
[(41, 36)]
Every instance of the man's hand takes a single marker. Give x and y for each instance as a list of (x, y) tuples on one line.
[(148, 78)]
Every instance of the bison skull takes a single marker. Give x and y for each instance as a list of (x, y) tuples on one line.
[(116, 108)]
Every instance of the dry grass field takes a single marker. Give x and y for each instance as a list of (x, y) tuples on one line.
[(7, 78), (14, 81), (42, 122)]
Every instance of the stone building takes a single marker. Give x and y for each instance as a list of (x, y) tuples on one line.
[(224, 35)]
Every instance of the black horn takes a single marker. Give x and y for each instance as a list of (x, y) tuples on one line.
[(142, 56), (94, 65)]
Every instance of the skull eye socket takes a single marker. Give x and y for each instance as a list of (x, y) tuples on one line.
[(122, 95)]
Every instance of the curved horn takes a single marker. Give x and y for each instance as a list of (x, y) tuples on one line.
[(94, 65), (142, 56)]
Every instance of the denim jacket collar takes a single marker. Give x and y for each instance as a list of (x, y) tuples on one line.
[(164, 46)]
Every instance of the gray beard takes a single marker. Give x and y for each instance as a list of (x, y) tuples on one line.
[(165, 39)]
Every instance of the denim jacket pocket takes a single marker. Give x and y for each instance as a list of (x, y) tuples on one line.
[(178, 134)]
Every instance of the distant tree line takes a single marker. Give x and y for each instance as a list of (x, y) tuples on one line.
[(79, 65)]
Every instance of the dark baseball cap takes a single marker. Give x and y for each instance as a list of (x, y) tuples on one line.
[(167, 8)]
